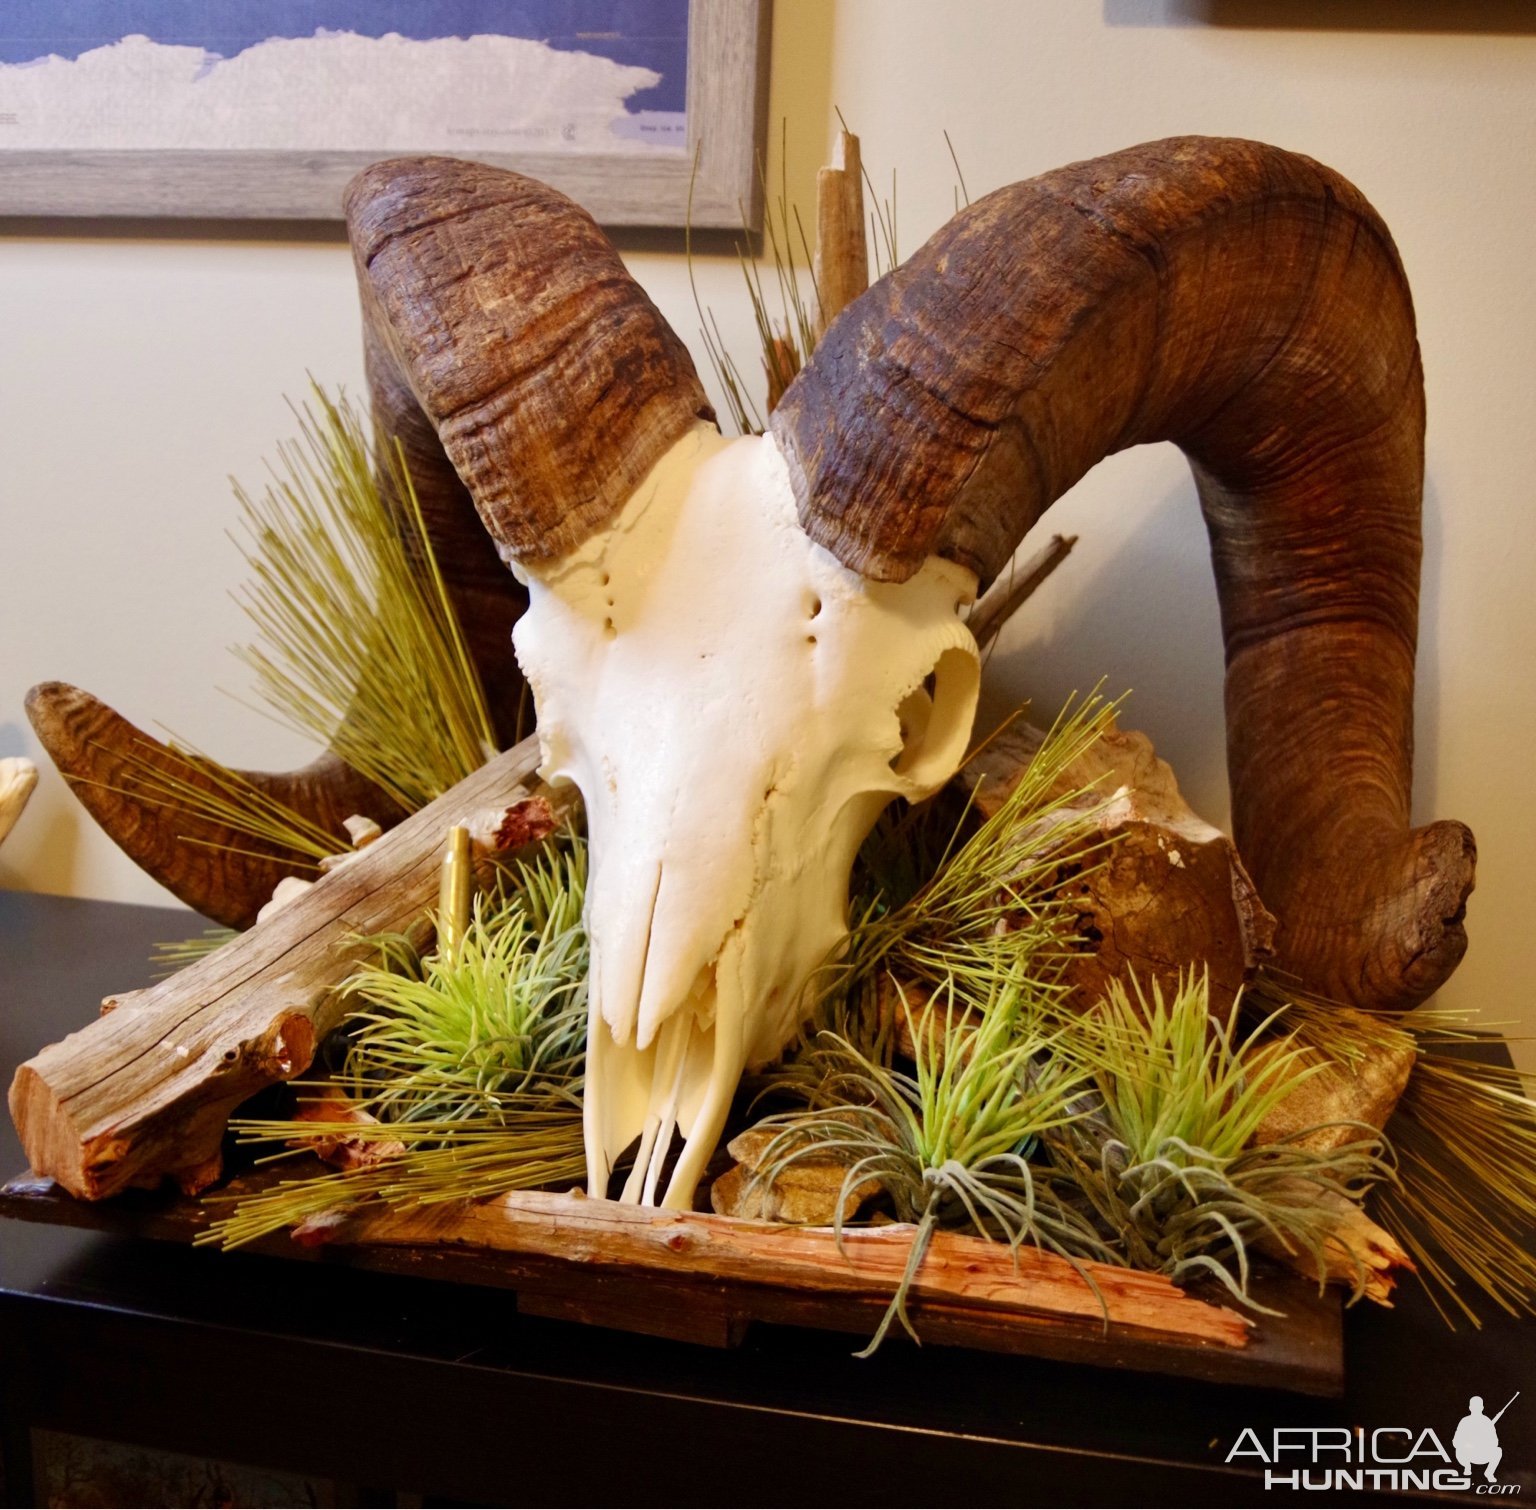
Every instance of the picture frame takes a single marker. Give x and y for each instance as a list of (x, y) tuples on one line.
[(712, 183)]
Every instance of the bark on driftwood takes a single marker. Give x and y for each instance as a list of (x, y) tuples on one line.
[(1171, 889), (146, 1090)]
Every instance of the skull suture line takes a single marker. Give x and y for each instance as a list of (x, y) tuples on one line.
[(736, 708)]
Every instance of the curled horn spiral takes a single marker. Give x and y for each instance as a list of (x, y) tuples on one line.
[(1247, 304)]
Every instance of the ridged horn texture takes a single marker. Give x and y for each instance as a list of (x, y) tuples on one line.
[(224, 874), (1249, 305), (552, 380), (487, 599)]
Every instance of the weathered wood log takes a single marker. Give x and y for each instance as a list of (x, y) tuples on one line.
[(959, 1270), (146, 1091), (841, 260), (1168, 892)]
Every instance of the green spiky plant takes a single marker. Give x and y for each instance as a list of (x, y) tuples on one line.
[(358, 646), (464, 1067), (948, 1141), (1167, 1161)]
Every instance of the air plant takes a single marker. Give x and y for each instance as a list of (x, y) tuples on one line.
[(950, 1141), (945, 899), (1167, 1161), (463, 1073)]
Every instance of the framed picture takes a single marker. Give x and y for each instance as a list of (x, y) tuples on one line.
[(220, 109)]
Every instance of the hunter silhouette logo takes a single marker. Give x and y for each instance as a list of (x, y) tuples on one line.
[(1328, 1459), (1476, 1443)]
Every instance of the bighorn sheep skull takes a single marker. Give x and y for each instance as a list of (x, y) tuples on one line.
[(1241, 301), (736, 707)]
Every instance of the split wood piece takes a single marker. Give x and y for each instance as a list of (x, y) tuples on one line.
[(842, 258), (146, 1091), (1170, 888), (1355, 1251), (962, 1271)]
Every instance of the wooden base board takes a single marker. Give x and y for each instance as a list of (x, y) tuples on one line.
[(706, 1279)]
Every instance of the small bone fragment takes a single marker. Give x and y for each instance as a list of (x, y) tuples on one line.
[(1343, 1093), (804, 1193), (361, 830), (17, 778), (287, 891)]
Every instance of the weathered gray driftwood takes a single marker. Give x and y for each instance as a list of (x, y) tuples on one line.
[(146, 1090)]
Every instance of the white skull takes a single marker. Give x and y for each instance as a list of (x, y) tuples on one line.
[(736, 708)]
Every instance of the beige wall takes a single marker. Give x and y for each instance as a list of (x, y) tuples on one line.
[(138, 369)]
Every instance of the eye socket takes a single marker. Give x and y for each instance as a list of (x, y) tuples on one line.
[(935, 720)]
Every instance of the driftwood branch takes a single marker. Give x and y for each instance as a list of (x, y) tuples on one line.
[(147, 1089), (1014, 588)]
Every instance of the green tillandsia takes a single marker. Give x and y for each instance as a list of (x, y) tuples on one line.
[(949, 1141), (464, 1067), (1167, 1162)]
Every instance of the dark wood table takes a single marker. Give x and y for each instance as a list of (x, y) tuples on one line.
[(441, 1390)]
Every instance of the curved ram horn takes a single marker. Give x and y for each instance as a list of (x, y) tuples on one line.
[(552, 380), (223, 873), (487, 599), (1249, 305)]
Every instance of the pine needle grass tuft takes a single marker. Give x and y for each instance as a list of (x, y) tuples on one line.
[(188, 782), (358, 646), (949, 1141), (176, 954), (1167, 1161), (466, 1065)]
